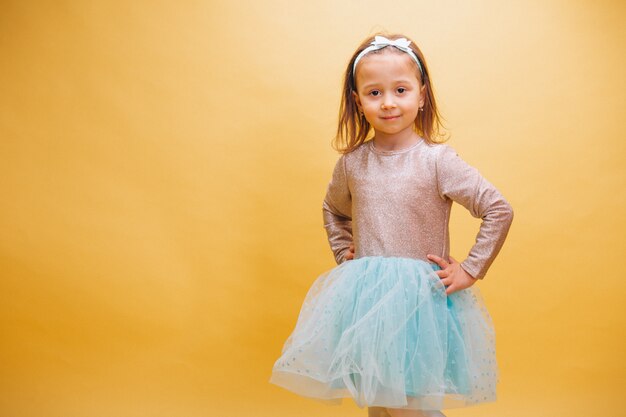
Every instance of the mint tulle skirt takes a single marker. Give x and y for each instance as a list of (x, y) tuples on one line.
[(382, 331)]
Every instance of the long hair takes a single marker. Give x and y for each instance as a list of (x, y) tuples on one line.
[(353, 128)]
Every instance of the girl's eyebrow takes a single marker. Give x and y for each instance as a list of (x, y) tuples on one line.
[(396, 82), (370, 85)]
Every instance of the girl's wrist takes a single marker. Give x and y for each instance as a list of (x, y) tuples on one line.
[(468, 274)]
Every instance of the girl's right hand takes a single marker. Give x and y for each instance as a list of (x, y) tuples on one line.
[(350, 254)]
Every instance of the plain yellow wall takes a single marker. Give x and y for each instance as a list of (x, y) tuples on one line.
[(162, 167)]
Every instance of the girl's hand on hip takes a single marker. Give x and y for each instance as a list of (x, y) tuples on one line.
[(452, 275), (350, 254)]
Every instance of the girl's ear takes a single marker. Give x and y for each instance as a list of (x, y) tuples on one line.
[(422, 95), (357, 100)]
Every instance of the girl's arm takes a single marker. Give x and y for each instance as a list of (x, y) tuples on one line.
[(337, 212), (463, 183)]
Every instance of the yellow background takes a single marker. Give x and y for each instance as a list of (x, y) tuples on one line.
[(162, 167)]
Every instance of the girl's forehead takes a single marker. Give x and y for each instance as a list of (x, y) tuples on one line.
[(386, 66)]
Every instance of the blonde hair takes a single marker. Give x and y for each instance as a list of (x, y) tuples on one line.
[(353, 128)]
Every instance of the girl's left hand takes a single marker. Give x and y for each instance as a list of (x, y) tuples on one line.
[(452, 275)]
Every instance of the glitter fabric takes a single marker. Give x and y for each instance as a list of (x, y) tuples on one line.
[(397, 203)]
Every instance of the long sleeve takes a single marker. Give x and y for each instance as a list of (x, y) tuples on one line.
[(337, 212), (464, 184)]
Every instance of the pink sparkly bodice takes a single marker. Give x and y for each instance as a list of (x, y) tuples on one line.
[(397, 203)]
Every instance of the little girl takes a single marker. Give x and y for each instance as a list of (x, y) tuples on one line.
[(397, 325)]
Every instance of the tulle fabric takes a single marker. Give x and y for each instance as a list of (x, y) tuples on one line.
[(382, 331)]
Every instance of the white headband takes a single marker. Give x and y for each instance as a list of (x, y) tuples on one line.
[(381, 42)]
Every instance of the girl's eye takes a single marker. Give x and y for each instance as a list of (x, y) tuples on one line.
[(375, 93), (401, 90)]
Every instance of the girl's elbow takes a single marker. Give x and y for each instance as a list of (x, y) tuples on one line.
[(509, 214), (502, 212)]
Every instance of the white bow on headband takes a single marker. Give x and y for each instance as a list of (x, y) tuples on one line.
[(381, 42)]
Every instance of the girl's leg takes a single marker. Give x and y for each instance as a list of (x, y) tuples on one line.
[(404, 412), (377, 412), (407, 412)]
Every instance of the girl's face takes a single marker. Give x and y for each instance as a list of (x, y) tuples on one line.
[(388, 92)]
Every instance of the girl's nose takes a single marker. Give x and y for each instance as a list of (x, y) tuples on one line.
[(388, 103)]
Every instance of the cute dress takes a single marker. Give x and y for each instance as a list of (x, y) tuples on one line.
[(380, 328)]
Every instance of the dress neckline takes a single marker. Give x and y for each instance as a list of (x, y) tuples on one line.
[(395, 151)]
